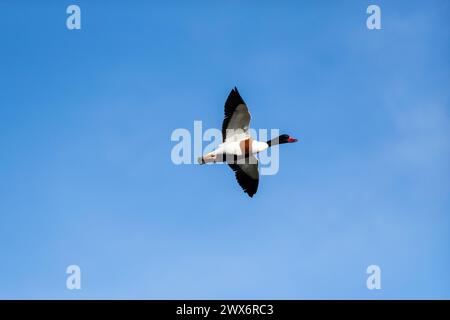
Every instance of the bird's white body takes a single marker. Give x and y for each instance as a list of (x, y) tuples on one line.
[(240, 148), (236, 148)]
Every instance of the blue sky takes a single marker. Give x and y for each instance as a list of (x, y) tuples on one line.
[(86, 175)]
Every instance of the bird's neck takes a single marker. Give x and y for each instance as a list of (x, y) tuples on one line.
[(273, 142)]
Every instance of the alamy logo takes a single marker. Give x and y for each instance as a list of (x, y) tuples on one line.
[(374, 279), (73, 21), (189, 147), (374, 20), (74, 279)]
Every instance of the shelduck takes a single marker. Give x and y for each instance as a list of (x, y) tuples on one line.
[(238, 149)]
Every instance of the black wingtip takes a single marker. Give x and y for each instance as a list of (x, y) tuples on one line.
[(249, 193)]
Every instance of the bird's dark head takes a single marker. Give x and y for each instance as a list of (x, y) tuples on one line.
[(284, 138)]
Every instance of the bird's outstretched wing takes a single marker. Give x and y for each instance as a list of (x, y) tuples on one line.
[(237, 118), (247, 174)]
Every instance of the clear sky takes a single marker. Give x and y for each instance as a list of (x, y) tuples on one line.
[(86, 176)]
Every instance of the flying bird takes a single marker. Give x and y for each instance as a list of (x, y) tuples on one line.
[(238, 149)]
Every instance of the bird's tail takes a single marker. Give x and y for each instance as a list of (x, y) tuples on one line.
[(207, 158)]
